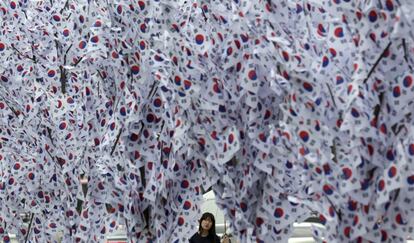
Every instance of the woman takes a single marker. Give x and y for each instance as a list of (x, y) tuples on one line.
[(207, 231)]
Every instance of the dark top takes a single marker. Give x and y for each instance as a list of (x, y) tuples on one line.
[(197, 238)]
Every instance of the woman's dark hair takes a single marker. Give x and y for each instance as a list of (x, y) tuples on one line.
[(212, 231)]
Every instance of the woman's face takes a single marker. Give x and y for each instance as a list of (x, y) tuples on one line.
[(206, 224)]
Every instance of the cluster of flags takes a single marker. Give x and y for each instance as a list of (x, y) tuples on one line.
[(283, 108)]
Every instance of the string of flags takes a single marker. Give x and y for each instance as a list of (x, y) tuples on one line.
[(124, 112)]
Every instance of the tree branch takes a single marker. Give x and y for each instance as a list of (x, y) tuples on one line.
[(63, 79), (29, 228), (338, 212), (78, 61), (25, 15), (23, 55), (99, 83), (64, 7), (57, 44), (406, 54), (116, 141), (11, 107), (377, 108), (66, 53), (33, 54), (376, 63), (49, 133), (330, 92)]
